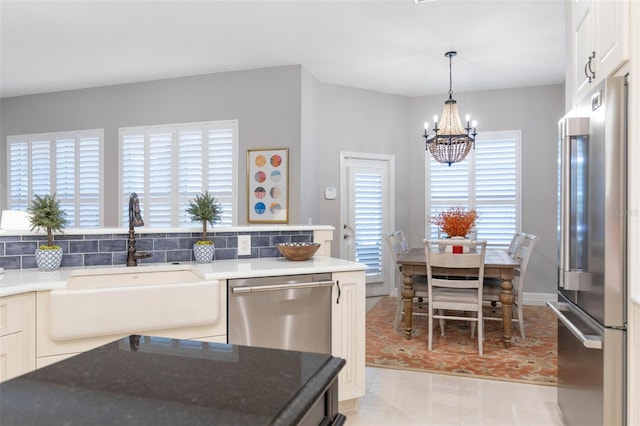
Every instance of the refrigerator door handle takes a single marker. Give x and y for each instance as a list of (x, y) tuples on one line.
[(588, 340)]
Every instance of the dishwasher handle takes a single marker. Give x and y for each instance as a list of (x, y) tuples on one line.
[(588, 340), (279, 287)]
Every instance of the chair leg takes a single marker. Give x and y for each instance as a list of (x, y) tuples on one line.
[(441, 321), (480, 332), (521, 320), (473, 324), (396, 320), (430, 333)]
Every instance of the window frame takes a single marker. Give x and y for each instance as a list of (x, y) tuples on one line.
[(471, 202), (177, 201), (53, 138)]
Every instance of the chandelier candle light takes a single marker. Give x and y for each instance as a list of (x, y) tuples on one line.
[(450, 143)]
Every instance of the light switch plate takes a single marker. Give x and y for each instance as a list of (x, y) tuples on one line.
[(244, 245)]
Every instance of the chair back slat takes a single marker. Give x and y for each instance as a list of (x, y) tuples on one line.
[(515, 243), (394, 247), (401, 240)]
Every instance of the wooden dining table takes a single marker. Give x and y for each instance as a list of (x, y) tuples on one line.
[(497, 264)]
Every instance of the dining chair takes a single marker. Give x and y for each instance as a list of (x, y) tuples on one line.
[(492, 287), (419, 283), (458, 291)]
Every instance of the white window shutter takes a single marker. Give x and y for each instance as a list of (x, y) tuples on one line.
[(41, 167), (167, 166), (221, 178), (488, 180), (368, 221), (67, 164), (18, 173)]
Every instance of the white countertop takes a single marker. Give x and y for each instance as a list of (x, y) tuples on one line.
[(26, 280)]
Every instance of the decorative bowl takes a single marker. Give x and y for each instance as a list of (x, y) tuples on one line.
[(297, 251)]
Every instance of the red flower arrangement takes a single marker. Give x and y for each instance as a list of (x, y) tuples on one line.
[(455, 222)]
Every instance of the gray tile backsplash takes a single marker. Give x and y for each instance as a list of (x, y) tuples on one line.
[(17, 252)]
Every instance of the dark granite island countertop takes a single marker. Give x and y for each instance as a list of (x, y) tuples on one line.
[(173, 382)]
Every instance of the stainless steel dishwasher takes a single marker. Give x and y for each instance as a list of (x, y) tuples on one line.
[(285, 312)]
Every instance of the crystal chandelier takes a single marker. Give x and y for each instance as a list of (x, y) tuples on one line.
[(450, 143)]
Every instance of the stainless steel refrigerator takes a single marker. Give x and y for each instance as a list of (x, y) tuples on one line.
[(592, 290)]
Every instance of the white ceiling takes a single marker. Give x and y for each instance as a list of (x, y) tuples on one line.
[(391, 46)]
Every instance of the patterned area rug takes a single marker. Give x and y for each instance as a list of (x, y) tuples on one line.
[(532, 360)]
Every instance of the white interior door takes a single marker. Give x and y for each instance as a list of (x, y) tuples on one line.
[(366, 183)]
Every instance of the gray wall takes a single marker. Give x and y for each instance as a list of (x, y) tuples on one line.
[(310, 191), (355, 120), (289, 107), (266, 103)]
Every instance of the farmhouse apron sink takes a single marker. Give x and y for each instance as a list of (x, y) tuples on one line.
[(107, 301)]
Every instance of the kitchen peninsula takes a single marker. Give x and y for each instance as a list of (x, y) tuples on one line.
[(27, 295), (170, 382), (173, 382)]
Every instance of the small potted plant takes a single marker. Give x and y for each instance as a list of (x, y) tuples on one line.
[(207, 210), (45, 213)]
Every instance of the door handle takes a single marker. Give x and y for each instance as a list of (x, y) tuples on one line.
[(348, 232), (278, 287), (587, 68), (588, 340)]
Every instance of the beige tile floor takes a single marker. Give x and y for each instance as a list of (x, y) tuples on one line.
[(403, 398)]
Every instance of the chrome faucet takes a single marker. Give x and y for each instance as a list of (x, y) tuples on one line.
[(135, 219)]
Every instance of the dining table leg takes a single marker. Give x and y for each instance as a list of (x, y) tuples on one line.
[(408, 294), (506, 299)]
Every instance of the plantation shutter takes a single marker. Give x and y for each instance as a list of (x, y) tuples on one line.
[(447, 186), (157, 200), (19, 165), (368, 223), (167, 166), (488, 180), (132, 161), (67, 164), (221, 178), (90, 185), (496, 184), (41, 167)]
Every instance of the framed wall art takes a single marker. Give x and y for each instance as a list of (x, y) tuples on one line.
[(268, 185)]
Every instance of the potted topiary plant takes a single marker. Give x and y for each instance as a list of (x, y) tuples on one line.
[(207, 210), (45, 213)]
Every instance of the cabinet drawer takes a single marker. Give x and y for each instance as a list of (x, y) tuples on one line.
[(11, 314), (11, 359)]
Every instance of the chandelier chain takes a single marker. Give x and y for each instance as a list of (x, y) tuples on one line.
[(450, 79)]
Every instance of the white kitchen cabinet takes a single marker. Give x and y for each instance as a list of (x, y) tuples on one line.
[(17, 335), (348, 335), (597, 44)]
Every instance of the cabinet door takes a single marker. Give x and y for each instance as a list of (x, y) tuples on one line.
[(17, 328), (612, 35), (11, 359), (598, 43), (583, 43), (348, 332)]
